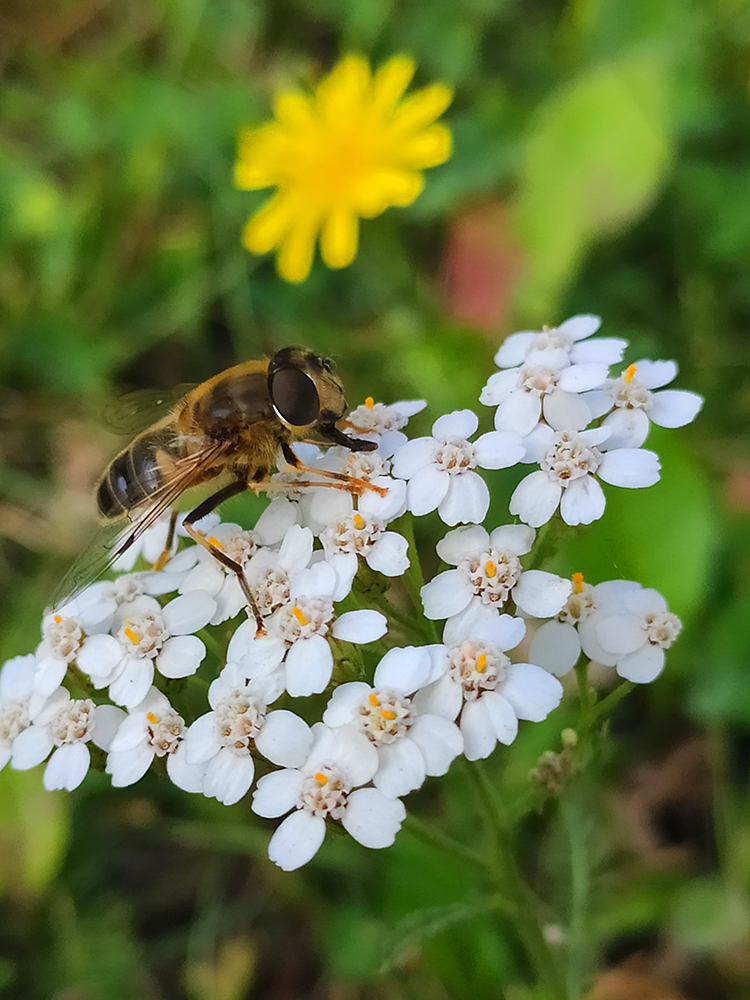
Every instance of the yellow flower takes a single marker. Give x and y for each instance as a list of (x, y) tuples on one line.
[(350, 151)]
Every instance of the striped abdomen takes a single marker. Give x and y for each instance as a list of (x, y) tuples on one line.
[(138, 472)]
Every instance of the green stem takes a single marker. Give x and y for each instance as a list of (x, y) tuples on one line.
[(414, 578), (429, 833), (577, 937), (545, 544), (512, 885), (606, 705)]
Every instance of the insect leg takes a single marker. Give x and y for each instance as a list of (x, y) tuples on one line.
[(189, 525), (163, 559), (352, 484)]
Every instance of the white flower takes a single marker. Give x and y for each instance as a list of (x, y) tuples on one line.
[(322, 506), (147, 636), (545, 384), (488, 572), (297, 641), (569, 461), (64, 630), (636, 404), (240, 545), (270, 572), (556, 645), (326, 787), (411, 743), (383, 423), (68, 726), (153, 541), (477, 680), (152, 729), (440, 468), (630, 630), (16, 693), (223, 739), (569, 337), (362, 535)]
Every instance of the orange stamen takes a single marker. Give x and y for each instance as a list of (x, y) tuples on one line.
[(299, 616), (482, 663), (387, 714), (630, 373), (132, 636), (321, 779), (369, 402), (490, 569), (215, 542), (578, 583), (151, 718), (359, 521), (58, 619), (373, 699)]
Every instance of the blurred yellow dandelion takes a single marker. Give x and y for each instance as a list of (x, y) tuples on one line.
[(350, 151)]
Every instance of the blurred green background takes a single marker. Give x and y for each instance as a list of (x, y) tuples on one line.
[(602, 164)]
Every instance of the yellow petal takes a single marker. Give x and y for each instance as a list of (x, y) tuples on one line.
[(390, 82), (427, 148), (346, 88), (294, 258), (422, 108), (338, 238), (386, 188), (269, 225), (293, 110), (261, 159)]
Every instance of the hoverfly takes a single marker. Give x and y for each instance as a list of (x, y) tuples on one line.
[(234, 426)]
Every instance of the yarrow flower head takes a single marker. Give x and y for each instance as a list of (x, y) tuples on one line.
[(349, 151)]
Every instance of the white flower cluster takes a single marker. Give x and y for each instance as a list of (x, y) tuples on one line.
[(111, 664)]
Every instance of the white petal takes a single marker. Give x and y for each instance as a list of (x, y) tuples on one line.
[(603, 350), (595, 436), (532, 691), (503, 631), (17, 677), (350, 751), (444, 698), (389, 554), (404, 669), (107, 720), (99, 656), (189, 613), (202, 740), (466, 622), (580, 326), (360, 626), (345, 566), (389, 507), (180, 656), (478, 730), (537, 443), (566, 410), (519, 412), (427, 490), (30, 748), (50, 671), (643, 601), (630, 467), (326, 506), (278, 792), (499, 450), (535, 499), (296, 549), (130, 733), (207, 576), (675, 407), (318, 580), (460, 425), (655, 374), (457, 544), (513, 350), (67, 767), (128, 766), (229, 776), (642, 666), (467, 499), (590, 644), (309, 665), (581, 378), (447, 594), (401, 767), (556, 647), (297, 840), (372, 819), (130, 687), (629, 428), (343, 705), (259, 655), (514, 538), (582, 502), (540, 594), (183, 774), (439, 740), (412, 457), (599, 401), (621, 634), (499, 386), (275, 521), (501, 715), (284, 739)]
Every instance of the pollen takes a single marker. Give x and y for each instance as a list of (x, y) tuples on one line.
[(388, 714), (58, 619), (151, 718), (490, 569), (373, 699), (369, 402), (299, 616), (215, 542), (578, 583), (132, 636), (321, 779), (359, 521), (630, 373), (482, 663)]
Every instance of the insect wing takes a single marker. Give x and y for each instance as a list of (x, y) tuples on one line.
[(115, 538), (133, 412)]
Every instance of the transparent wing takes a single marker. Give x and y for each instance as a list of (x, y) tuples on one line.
[(133, 412), (115, 537)]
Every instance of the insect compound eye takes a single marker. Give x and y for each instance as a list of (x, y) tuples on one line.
[(294, 397)]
